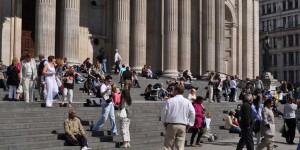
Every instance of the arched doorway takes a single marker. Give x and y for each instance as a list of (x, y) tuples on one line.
[(28, 27), (230, 41)]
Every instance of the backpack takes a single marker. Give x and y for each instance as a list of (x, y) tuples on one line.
[(41, 67)]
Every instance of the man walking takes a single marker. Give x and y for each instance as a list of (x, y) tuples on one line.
[(177, 115), (118, 60), (40, 79), (108, 109), (246, 124), (127, 78)]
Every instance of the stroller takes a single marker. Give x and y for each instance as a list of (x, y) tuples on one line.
[(158, 93)]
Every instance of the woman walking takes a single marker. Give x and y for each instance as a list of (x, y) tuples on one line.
[(125, 122), (49, 73), (199, 118)]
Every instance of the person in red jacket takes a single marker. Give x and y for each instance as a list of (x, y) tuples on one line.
[(200, 115)]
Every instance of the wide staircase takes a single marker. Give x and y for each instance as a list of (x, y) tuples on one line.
[(30, 126)]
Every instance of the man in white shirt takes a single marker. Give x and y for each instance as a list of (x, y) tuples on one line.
[(27, 75), (177, 115), (118, 60), (108, 109)]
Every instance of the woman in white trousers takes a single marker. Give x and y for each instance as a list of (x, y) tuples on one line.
[(125, 122), (49, 73)]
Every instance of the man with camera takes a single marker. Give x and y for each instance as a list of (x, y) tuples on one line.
[(108, 109)]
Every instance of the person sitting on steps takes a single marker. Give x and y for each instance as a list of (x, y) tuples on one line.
[(74, 132)]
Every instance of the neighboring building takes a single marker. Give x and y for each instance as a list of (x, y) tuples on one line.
[(281, 20), (169, 35)]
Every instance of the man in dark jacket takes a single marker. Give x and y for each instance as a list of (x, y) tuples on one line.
[(246, 124)]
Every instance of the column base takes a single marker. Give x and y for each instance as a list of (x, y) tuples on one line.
[(137, 69), (72, 62), (170, 73)]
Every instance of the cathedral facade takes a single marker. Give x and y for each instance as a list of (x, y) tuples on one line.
[(168, 35)]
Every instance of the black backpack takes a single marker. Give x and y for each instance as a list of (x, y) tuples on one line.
[(41, 67)]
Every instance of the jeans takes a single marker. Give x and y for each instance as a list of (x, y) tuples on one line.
[(298, 147), (103, 65), (232, 94), (70, 92), (81, 141), (108, 110), (12, 92), (196, 131), (226, 94)]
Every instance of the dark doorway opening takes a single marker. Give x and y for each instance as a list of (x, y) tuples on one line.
[(28, 27)]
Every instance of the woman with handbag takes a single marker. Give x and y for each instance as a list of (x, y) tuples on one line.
[(125, 121), (199, 121), (12, 79)]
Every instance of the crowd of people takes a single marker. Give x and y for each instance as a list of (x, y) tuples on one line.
[(256, 116)]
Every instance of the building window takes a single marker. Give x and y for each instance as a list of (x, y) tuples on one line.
[(297, 58), (275, 42), (269, 9), (284, 75), (290, 4), (290, 21), (291, 76), (283, 5), (275, 74), (291, 58), (296, 20), (298, 76), (274, 7), (297, 39), (275, 60), (284, 41), (291, 40), (284, 22), (274, 24), (263, 26), (284, 59), (296, 3), (269, 25), (263, 10)]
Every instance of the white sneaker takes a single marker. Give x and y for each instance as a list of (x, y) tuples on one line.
[(85, 148)]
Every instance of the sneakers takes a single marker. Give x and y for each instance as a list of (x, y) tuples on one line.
[(85, 148), (116, 134)]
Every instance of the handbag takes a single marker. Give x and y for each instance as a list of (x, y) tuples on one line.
[(123, 113), (20, 88)]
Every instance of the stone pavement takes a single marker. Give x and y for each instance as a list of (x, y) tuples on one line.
[(230, 144)]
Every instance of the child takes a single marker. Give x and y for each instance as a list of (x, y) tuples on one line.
[(207, 131)]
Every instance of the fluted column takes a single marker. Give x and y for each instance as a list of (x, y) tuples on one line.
[(45, 27), (121, 28), (139, 33), (70, 30), (256, 38), (247, 39), (170, 38), (220, 29), (208, 36), (184, 50)]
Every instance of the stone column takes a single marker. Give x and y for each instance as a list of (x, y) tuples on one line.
[(184, 49), (170, 38), (70, 30), (256, 38), (220, 29), (139, 33), (121, 28), (247, 39), (45, 27), (208, 55)]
